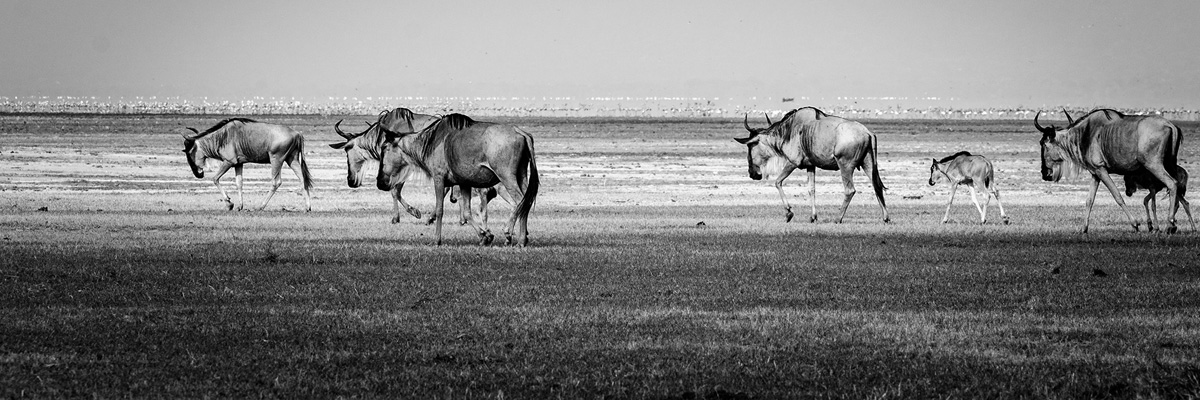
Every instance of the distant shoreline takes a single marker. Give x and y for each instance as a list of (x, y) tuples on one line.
[(582, 109)]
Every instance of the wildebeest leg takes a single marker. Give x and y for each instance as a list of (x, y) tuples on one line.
[(485, 196), (1149, 204), (398, 201), (1187, 209), (848, 184), (276, 180), (953, 191), (237, 177), (464, 207), (513, 185), (1112, 188), (1090, 201), (783, 174), (1172, 187), (1003, 216), (439, 196), (812, 193), (217, 181), (975, 199), (295, 164)]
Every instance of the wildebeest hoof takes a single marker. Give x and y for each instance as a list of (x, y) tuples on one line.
[(944, 221), (462, 222), (486, 238), (788, 217), (430, 220), (396, 219), (812, 218), (887, 220), (508, 240), (1006, 221), (1171, 230)]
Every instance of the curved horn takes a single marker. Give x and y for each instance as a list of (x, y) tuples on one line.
[(1035, 122), (338, 129), (1070, 121), (746, 122), (769, 123)]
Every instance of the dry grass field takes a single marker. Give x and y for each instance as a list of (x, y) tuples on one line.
[(657, 269)]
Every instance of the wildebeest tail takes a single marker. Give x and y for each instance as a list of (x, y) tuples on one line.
[(532, 182), (298, 147), (1171, 159), (876, 180)]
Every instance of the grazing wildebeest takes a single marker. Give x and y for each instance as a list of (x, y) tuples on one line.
[(1107, 142), (808, 138), (1147, 181), (237, 141), (458, 151), (364, 146), (975, 171)]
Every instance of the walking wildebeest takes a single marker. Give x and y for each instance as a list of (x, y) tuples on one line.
[(364, 146), (1107, 142), (237, 141), (458, 151), (975, 171), (1133, 182), (808, 138)]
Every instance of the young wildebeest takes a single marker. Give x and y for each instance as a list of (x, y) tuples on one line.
[(237, 141), (807, 138), (1133, 182), (1107, 142), (963, 168), (458, 151)]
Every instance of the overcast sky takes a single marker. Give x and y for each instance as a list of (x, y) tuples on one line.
[(989, 53)]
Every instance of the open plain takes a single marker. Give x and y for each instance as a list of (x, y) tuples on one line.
[(656, 269)]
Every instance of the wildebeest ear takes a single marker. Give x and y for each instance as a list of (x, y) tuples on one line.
[(746, 140), (347, 145)]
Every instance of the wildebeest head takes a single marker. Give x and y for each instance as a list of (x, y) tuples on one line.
[(392, 163), (356, 156), (757, 156), (1052, 157), (195, 156), (935, 173)]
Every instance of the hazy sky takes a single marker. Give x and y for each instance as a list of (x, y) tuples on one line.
[(992, 53)]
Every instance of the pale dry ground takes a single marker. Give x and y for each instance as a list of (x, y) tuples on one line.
[(77, 163)]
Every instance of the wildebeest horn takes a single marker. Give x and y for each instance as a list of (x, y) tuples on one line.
[(338, 129), (769, 123), (1035, 122), (746, 122), (1069, 120)]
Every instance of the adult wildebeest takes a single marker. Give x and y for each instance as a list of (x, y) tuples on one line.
[(458, 151), (1107, 142), (1147, 181), (975, 171), (237, 141), (364, 146), (808, 138)]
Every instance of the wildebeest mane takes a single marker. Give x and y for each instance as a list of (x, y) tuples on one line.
[(437, 132), (953, 156), (222, 124), (1108, 114)]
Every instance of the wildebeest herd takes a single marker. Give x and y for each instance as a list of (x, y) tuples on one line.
[(467, 158)]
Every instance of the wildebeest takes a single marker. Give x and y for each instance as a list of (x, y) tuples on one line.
[(975, 171), (1133, 182), (459, 151), (808, 138), (364, 146), (237, 141), (1107, 142)]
